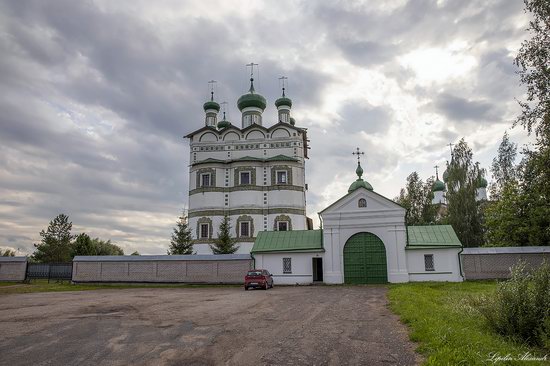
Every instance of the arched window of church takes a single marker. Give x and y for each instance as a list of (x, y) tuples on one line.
[(362, 202)]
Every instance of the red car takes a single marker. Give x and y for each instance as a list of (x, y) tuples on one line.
[(260, 278)]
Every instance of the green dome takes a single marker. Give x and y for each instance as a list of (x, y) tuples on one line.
[(292, 121), (251, 100), (223, 124), (283, 101), (438, 186), (358, 184), (211, 105), (482, 183)]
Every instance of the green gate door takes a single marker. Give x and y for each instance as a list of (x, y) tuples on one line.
[(365, 260)]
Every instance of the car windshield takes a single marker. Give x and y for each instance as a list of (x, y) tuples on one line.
[(254, 273)]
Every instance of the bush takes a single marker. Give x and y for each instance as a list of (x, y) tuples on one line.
[(520, 307)]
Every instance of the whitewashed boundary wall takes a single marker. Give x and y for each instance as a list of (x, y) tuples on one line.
[(222, 269), (495, 263), (13, 268)]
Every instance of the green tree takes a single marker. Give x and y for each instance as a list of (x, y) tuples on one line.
[(55, 245), (504, 215), (417, 198), (535, 194), (7, 253), (505, 219), (181, 241), (503, 169), (105, 247), (533, 61), (224, 243), (83, 245), (135, 253), (463, 211)]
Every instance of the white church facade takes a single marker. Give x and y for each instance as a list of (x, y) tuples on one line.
[(253, 174), (256, 175)]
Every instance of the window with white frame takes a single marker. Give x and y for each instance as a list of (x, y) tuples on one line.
[(429, 262), (281, 177), (206, 180), (282, 225), (362, 202), (287, 265), (244, 178), (204, 231), (244, 229)]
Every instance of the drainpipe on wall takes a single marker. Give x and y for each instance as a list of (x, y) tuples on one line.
[(253, 261), (321, 221), (460, 264)]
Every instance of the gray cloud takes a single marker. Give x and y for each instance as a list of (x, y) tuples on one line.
[(461, 109), (96, 97)]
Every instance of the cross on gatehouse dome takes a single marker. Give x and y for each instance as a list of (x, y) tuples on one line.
[(359, 171)]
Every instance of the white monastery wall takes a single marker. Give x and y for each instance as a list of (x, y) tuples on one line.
[(445, 264), (302, 267)]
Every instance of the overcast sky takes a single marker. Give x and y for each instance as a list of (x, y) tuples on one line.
[(96, 96)]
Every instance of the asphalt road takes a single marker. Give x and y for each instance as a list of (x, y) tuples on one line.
[(320, 325)]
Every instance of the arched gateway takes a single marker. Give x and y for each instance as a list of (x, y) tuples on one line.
[(365, 260)]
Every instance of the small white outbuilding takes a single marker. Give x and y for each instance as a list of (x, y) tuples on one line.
[(364, 240)]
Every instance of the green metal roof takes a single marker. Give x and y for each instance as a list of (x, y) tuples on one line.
[(432, 236), (283, 101), (223, 124), (438, 186), (251, 100), (288, 241), (482, 183), (211, 105)]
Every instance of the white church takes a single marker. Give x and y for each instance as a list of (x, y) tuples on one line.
[(255, 174)]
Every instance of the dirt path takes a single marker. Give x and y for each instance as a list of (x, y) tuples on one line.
[(204, 326)]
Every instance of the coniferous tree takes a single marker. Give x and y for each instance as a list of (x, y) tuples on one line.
[(182, 241), (224, 243), (55, 245), (503, 169), (417, 198), (463, 211)]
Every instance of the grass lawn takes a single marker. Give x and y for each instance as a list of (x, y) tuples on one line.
[(449, 331), (44, 286)]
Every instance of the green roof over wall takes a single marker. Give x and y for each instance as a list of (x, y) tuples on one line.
[(288, 241), (432, 236)]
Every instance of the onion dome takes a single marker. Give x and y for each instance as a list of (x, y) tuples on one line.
[(211, 105), (223, 123), (438, 186), (482, 183), (251, 99), (359, 182), (283, 101), (292, 121)]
